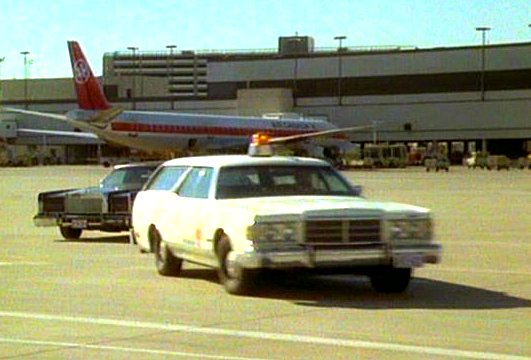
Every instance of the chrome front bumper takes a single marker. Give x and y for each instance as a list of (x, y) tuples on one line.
[(312, 257), (43, 221), (90, 221)]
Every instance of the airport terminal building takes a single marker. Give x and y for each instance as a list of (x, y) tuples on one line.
[(469, 98)]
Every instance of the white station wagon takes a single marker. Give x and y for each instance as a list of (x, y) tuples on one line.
[(240, 214)]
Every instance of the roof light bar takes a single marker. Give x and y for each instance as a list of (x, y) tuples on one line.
[(260, 145)]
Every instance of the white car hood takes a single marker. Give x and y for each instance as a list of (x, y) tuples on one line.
[(325, 206)]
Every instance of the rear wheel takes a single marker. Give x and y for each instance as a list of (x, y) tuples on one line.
[(167, 264), (235, 279), (390, 280), (70, 233)]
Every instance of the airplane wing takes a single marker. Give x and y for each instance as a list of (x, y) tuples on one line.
[(64, 118), (100, 119), (75, 134), (96, 129), (325, 133)]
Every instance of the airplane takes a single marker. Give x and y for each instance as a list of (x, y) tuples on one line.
[(175, 132)]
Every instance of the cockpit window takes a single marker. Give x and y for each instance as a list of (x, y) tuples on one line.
[(260, 181)]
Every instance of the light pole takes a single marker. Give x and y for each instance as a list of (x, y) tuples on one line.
[(1, 83), (25, 53), (339, 66), (133, 90), (170, 59), (483, 30), (295, 40)]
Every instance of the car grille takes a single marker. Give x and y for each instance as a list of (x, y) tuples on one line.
[(83, 205), (345, 231)]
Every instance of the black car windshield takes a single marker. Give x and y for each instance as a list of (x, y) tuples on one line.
[(127, 178), (262, 181)]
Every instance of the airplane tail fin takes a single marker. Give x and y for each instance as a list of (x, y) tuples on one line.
[(90, 95)]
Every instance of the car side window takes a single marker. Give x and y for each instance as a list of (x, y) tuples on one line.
[(166, 178), (197, 183), (335, 184)]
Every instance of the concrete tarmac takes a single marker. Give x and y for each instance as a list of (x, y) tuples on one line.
[(99, 298)]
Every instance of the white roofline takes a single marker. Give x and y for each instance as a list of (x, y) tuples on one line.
[(218, 161)]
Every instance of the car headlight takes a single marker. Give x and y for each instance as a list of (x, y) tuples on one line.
[(273, 232), (410, 229)]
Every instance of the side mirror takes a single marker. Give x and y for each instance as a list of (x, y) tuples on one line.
[(357, 189)]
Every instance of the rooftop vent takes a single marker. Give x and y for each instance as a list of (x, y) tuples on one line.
[(295, 45)]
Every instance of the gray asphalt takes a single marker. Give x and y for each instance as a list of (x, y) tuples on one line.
[(99, 298)]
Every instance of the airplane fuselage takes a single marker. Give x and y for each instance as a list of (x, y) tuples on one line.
[(161, 131), (169, 132)]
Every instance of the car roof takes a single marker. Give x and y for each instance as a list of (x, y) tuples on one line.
[(153, 164), (218, 161)]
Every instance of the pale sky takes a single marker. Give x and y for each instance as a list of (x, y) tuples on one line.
[(43, 27)]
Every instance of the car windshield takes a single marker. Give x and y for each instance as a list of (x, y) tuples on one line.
[(262, 181), (126, 178)]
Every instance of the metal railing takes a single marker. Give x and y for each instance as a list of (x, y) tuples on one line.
[(263, 51)]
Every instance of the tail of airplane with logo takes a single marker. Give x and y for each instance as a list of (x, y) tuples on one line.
[(89, 92)]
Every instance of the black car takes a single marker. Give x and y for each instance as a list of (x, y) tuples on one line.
[(106, 207)]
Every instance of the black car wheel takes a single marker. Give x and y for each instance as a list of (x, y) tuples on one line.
[(234, 278), (70, 233), (167, 264)]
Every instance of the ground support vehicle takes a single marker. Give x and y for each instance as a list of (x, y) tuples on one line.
[(437, 163), (498, 162), (477, 159), (385, 156), (245, 214), (522, 163), (106, 207)]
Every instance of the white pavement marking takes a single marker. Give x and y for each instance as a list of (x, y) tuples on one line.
[(478, 271), (122, 349), (426, 350), (14, 263)]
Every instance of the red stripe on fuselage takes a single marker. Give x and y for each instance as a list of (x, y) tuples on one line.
[(206, 130)]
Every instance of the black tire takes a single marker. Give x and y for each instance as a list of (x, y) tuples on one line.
[(390, 280), (132, 237), (167, 264), (70, 233), (236, 280)]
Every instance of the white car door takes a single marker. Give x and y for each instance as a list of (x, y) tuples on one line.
[(189, 213), (154, 201)]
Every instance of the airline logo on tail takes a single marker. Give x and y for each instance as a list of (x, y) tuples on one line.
[(81, 72), (90, 95)]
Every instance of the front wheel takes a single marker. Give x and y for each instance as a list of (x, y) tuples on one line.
[(390, 280), (167, 264), (132, 237), (235, 279), (70, 233)]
